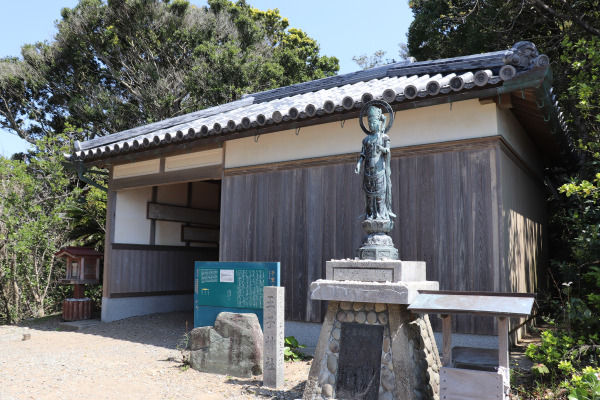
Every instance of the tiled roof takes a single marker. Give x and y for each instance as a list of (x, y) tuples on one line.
[(395, 83), (78, 252)]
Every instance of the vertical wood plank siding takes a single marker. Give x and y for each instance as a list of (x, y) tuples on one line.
[(523, 231), (292, 221), (447, 207), (139, 269)]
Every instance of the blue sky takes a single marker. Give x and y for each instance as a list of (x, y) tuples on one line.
[(343, 28)]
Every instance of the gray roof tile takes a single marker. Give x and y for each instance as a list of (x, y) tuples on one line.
[(394, 83)]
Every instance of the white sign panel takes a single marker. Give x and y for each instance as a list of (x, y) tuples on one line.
[(227, 275)]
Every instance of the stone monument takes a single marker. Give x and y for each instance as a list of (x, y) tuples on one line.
[(371, 346), (273, 336), (233, 346)]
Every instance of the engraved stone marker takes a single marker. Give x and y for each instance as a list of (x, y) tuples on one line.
[(360, 361), (273, 334)]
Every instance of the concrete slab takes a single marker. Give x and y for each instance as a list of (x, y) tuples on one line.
[(78, 325), (369, 292), (375, 270)]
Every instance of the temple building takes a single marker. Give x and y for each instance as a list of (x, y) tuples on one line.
[(271, 177)]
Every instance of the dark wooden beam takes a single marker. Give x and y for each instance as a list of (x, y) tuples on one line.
[(199, 235), (162, 248), (166, 212)]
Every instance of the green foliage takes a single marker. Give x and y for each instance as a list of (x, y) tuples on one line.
[(291, 350), (41, 206), (585, 386), (568, 33), (36, 197), (114, 65), (561, 354), (540, 369), (118, 64), (364, 61), (550, 352), (183, 346)]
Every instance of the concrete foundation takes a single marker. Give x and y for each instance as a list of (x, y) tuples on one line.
[(120, 308), (306, 333)]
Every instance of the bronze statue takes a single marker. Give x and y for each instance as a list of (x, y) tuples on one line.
[(375, 159)]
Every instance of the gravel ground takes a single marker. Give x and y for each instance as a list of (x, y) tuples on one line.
[(135, 358)]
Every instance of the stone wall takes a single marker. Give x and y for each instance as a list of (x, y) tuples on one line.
[(410, 361)]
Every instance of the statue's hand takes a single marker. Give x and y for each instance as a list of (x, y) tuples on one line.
[(357, 169)]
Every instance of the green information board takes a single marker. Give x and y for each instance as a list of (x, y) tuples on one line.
[(231, 286)]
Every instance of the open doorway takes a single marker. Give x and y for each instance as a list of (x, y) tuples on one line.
[(186, 214)]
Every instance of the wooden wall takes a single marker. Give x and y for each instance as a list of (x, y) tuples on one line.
[(523, 227), (139, 270), (523, 244), (301, 214), (470, 209)]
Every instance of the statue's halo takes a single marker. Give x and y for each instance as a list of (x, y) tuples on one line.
[(364, 109)]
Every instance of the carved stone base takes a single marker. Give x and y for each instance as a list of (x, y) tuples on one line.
[(377, 246), (377, 253), (377, 225)]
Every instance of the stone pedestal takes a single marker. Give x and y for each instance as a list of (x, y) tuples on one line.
[(377, 245), (370, 345)]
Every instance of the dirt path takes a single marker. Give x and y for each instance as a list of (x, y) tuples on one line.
[(136, 358)]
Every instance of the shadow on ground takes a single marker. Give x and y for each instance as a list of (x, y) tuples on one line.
[(254, 387), (164, 330)]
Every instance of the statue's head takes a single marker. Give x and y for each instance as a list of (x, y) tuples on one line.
[(375, 117)]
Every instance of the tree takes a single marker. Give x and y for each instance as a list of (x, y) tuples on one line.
[(566, 31), (36, 197), (114, 65), (364, 61), (123, 63)]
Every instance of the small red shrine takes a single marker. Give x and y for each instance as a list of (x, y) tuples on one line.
[(83, 268)]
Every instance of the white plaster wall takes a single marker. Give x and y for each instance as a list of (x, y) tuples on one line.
[(131, 224), (136, 169), (168, 233), (515, 135), (194, 160), (440, 123)]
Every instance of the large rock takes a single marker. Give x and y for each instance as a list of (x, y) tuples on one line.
[(233, 346)]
